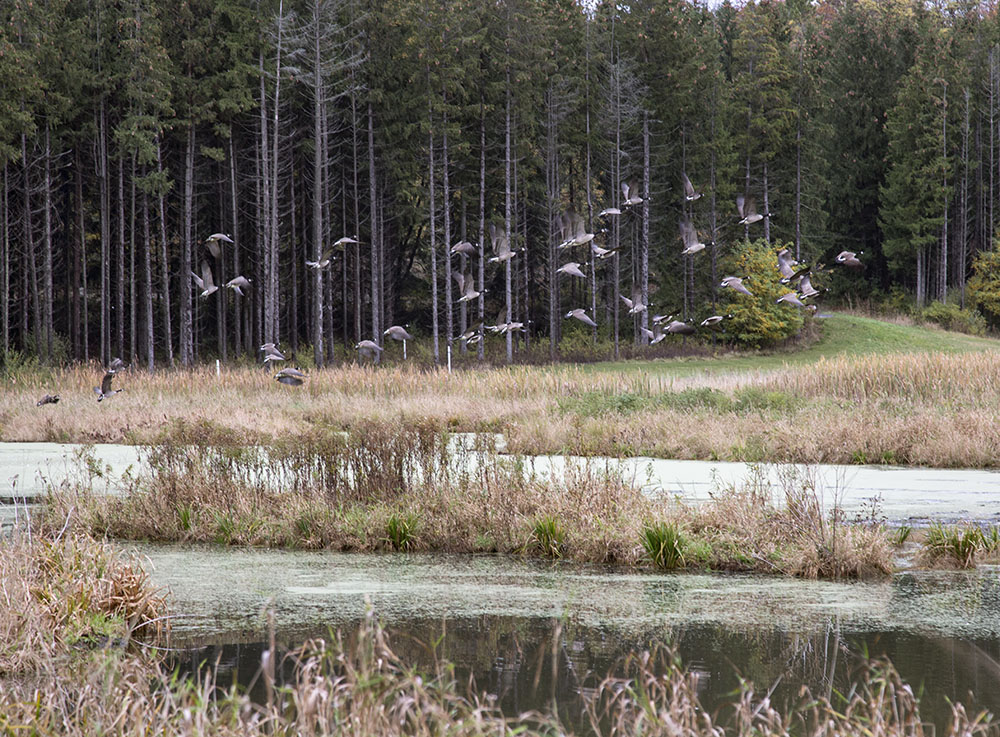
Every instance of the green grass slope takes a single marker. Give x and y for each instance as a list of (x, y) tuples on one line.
[(842, 335)]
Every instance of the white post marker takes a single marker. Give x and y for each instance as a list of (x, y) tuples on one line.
[(217, 373), (404, 349), (449, 358)]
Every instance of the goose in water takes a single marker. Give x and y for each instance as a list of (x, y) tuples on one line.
[(736, 283), (205, 281), (290, 376), (580, 314)]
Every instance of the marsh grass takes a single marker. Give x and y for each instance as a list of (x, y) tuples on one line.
[(955, 545), (61, 593), (394, 486), (936, 409), (664, 545)]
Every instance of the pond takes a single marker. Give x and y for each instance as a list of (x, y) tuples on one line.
[(532, 632)]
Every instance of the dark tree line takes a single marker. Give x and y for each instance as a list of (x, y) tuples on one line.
[(376, 136)]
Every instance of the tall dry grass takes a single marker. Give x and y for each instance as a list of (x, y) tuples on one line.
[(390, 485), (923, 409), (59, 593)]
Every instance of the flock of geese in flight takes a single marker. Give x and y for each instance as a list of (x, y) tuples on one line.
[(573, 233)]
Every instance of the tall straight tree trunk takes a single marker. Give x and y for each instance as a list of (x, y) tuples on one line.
[(552, 200), (187, 324), (47, 265), (590, 201), (234, 214), (29, 242), (147, 283), (644, 263), (263, 304), (357, 212), (506, 216), (318, 169), (767, 206), (375, 265), (102, 156), (463, 307), (480, 303), (221, 277), (432, 218), (5, 265), (272, 277), (943, 266), (449, 306), (133, 349), (165, 265), (120, 263), (293, 321), (326, 236), (963, 242)]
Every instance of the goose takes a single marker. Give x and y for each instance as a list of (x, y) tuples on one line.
[(690, 238), (609, 212), (344, 241), (806, 289), (676, 327), (104, 390), (580, 235), (715, 321), (290, 376), (602, 253), (213, 242), (466, 286), (790, 298), (510, 327), (571, 269), (581, 314), (690, 194), (323, 262), (116, 364), (630, 190), (271, 353), (850, 259), (735, 282), (397, 332), (501, 246), (237, 283), (368, 348), (635, 305), (658, 334), (786, 265), (472, 335), (663, 319), (747, 207), (48, 399), (573, 230), (463, 247), (205, 281)]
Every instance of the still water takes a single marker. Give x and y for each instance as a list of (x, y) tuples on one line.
[(531, 633)]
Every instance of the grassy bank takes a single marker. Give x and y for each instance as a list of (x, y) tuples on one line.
[(362, 687), (392, 486), (869, 392)]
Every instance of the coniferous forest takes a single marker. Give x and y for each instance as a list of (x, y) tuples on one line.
[(445, 165)]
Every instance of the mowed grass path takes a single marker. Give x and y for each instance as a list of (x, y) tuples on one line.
[(842, 335)]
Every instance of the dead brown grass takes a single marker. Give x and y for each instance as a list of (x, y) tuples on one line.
[(923, 409), (62, 592)]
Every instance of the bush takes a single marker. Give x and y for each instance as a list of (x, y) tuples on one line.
[(983, 289), (952, 317), (758, 321)]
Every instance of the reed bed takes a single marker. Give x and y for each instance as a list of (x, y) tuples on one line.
[(936, 409), (61, 593), (390, 486), (365, 689)]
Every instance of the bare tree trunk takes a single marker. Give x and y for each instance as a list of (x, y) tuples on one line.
[(432, 186), (29, 242), (147, 283), (272, 277), (506, 216), (234, 213), (376, 267), (120, 259), (221, 277), (318, 170), (102, 167), (357, 212), (963, 243), (481, 305), (5, 263), (47, 266), (767, 206), (187, 324), (552, 200), (133, 350), (644, 263), (165, 266), (263, 304), (293, 322), (449, 324), (943, 266)]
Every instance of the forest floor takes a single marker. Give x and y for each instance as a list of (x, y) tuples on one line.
[(867, 391)]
